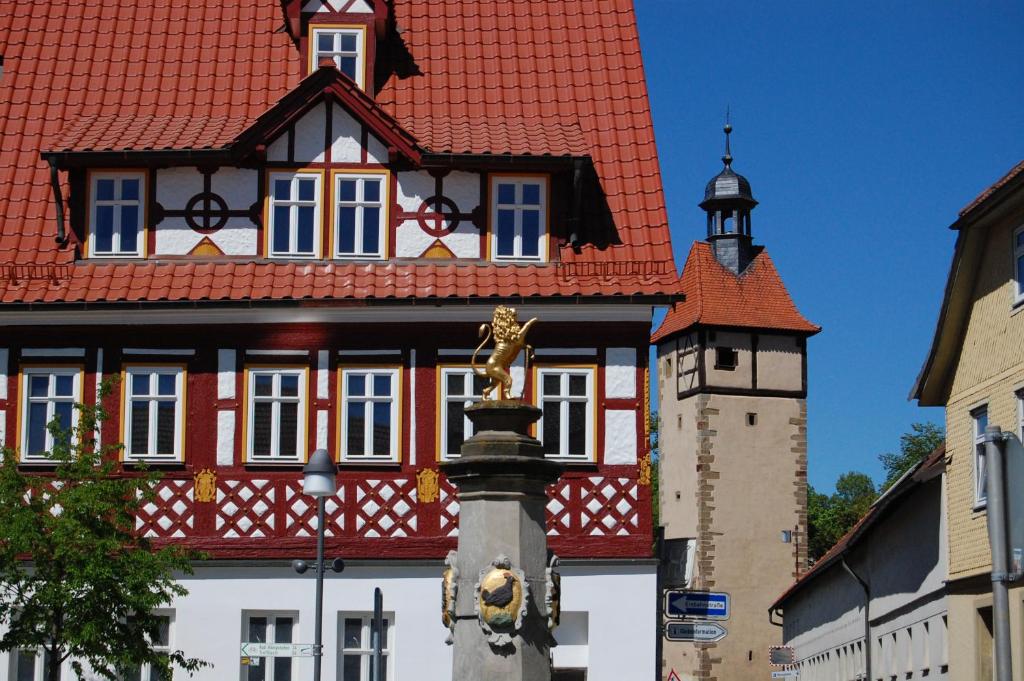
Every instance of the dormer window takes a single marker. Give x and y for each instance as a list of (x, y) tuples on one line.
[(345, 45), (294, 218), (359, 215), (116, 202), (518, 217)]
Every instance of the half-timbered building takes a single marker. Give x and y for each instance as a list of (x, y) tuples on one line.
[(280, 225)]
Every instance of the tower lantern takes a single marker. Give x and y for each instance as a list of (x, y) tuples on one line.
[(728, 202)]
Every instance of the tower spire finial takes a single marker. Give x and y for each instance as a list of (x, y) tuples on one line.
[(727, 159)]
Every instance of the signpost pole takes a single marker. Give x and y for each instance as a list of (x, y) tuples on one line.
[(996, 507), (318, 652)]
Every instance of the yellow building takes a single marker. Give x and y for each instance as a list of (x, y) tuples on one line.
[(975, 367)]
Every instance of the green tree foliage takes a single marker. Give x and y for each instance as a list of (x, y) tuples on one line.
[(76, 579), (830, 517), (915, 445)]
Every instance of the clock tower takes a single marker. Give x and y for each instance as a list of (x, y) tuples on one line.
[(732, 387)]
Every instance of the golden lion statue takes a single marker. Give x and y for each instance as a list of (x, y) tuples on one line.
[(509, 341)]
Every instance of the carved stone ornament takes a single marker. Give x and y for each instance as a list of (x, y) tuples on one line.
[(449, 594), (427, 486), (553, 593), (509, 340), (206, 486), (502, 595)]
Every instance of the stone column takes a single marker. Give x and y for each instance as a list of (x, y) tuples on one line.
[(501, 477)]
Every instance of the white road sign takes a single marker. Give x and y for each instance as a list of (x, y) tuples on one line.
[(786, 674), (278, 650), (704, 632)]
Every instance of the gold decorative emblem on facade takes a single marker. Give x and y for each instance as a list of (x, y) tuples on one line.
[(509, 340), (644, 477), (502, 595), (427, 485), (449, 594), (205, 486), (647, 404)]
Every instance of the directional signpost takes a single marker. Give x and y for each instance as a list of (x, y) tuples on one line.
[(700, 632), (707, 605), (786, 674), (278, 650)]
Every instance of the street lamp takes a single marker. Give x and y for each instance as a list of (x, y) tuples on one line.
[(319, 481)]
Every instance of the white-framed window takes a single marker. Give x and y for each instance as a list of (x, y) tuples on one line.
[(370, 414), (460, 387), (154, 413), (116, 214), (269, 627), (30, 664), (979, 418), (359, 215), (356, 646), (345, 46), (161, 644), (294, 221), (47, 394), (276, 417), (518, 217), (1018, 265), (566, 399)]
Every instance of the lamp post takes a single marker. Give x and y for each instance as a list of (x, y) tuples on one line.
[(319, 481)]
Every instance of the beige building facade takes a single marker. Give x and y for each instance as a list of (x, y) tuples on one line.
[(975, 368), (732, 387)]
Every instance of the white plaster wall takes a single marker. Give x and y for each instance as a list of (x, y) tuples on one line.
[(175, 186), (321, 429), (620, 436), (346, 147), (620, 373), (310, 133), (226, 360), (278, 149), (175, 237), (410, 240), (619, 632), (464, 189), (237, 186), (376, 151), (464, 242), (237, 237), (413, 188), (358, 7), (225, 437), (4, 354)]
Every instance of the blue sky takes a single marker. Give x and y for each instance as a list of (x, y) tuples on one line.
[(863, 128)]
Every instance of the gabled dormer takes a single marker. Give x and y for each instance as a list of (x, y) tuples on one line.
[(345, 31)]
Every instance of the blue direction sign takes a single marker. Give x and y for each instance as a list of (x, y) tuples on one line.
[(701, 632), (707, 605)]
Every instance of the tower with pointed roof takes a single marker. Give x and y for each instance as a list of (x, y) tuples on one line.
[(732, 383)]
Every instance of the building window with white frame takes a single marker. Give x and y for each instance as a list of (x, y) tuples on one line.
[(47, 394), (162, 645), (154, 420), (357, 646), (31, 664), (518, 218), (116, 214), (343, 46), (294, 223), (1018, 266), (460, 387), (269, 627), (566, 399), (359, 215), (276, 415), (979, 418), (370, 414)]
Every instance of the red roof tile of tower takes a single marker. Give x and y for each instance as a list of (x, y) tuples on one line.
[(757, 298), (157, 74)]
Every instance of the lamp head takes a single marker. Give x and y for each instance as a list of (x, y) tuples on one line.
[(318, 475)]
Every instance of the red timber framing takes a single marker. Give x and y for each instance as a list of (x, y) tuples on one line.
[(382, 510)]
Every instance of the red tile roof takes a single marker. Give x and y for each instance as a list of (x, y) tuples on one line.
[(120, 133), (1001, 182), (757, 298), (536, 136), (140, 69)]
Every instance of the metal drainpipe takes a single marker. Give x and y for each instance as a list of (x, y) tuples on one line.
[(867, 618), (997, 531)]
